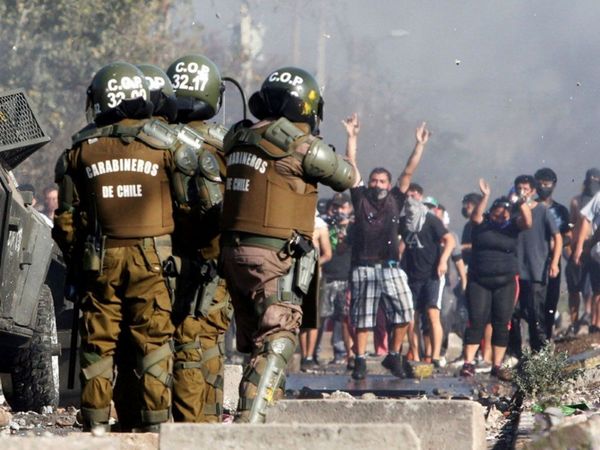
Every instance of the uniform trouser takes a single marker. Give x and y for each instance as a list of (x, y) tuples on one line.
[(252, 275), (198, 370), (130, 294)]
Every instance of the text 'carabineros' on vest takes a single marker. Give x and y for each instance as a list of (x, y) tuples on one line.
[(121, 165), (247, 159)]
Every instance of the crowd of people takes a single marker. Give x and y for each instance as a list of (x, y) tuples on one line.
[(171, 225), (388, 271)]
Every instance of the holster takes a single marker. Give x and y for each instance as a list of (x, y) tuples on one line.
[(93, 254)]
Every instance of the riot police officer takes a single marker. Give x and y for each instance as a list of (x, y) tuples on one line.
[(202, 310), (273, 168), (114, 220)]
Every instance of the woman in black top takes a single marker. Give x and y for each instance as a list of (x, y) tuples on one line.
[(492, 275)]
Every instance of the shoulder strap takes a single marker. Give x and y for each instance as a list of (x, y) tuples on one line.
[(125, 133), (241, 135)]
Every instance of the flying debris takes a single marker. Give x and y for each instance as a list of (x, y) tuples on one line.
[(457, 62)]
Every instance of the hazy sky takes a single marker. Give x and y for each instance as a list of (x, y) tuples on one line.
[(506, 86)]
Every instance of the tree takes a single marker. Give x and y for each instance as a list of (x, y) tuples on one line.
[(52, 49)]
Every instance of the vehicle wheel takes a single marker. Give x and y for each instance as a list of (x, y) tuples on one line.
[(35, 367)]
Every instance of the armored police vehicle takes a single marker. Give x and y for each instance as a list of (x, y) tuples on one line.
[(28, 337)]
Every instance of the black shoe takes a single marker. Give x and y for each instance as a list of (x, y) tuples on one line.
[(395, 364), (468, 370), (350, 365), (360, 368), (308, 365)]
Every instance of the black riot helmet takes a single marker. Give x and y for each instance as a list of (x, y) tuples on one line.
[(162, 93), (292, 93), (198, 87), (118, 91)]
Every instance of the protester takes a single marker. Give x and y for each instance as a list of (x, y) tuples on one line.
[(308, 336), (577, 275), (539, 252), (428, 246), (492, 276), (546, 179), (376, 275)]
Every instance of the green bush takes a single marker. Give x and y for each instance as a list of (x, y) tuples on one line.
[(543, 377)]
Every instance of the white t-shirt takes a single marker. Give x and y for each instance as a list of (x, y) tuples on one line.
[(591, 211)]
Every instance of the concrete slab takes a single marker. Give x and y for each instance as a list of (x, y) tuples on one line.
[(59, 443), (581, 435), (585, 360), (383, 385), (333, 436), (83, 441), (231, 379), (447, 424)]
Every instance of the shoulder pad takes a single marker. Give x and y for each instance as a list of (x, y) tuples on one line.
[(186, 159), (212, 133), (283, 133), (60, 169), (189, 136), (158, 134), (209, 166)]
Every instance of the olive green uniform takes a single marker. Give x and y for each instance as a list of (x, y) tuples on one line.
[(200, 325), (122, 208), (268, 202)]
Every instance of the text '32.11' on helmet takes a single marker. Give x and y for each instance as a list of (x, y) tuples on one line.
[(292, 93), (198, 87), (162, 93), (119, 90)]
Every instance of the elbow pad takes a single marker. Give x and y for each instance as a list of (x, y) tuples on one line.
[(324, 165)]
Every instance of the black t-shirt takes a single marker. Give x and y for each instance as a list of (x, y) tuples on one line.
[(423, 249), (338, 267), (375, 230), (494, 250), (560, 214), (467, 239)]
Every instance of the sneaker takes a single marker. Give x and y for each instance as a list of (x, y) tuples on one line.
[(593, 329), (395, 364), (439, 363), (338, 360), (483, 366), (502, 373), (360, 368), (468, 370), (308, 365)]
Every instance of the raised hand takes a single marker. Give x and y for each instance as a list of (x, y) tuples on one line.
[(352, 125), (484, 187), (422, 134)]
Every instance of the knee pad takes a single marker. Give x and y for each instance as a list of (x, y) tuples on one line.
[(149, 363), (93, 366)]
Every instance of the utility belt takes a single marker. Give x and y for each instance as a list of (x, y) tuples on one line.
[(95, 248), (389, 264), (293, 286)]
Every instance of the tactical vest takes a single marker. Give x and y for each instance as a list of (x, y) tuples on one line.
[(259, 199), (126, 186), (213, 135)]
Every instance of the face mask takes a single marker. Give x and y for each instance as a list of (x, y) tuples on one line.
[(591, 187), (378, 193), (464, 212), (544, 192)]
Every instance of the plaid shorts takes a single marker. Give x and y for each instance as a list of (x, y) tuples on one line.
[(370, 284), (334, 300)]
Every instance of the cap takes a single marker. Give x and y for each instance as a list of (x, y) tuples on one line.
[(472, 197), (429, 200), (340, 199)]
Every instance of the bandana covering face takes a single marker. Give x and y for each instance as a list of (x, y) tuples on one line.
[(416, 213)]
